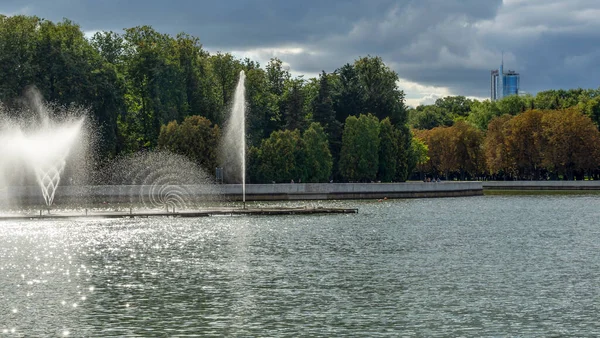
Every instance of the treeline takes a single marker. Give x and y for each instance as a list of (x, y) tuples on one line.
[(146, 89), (553, 135), (479, 113)]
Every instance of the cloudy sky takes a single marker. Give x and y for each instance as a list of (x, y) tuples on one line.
[(438, 47)]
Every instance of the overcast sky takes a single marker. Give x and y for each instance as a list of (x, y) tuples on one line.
[(438, 47)]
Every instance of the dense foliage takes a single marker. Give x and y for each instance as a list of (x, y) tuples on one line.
[(552, 135), (196, 138), (146, 90), (536, 144), (359, 160)]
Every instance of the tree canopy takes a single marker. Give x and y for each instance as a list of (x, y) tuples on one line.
[(145, 89)]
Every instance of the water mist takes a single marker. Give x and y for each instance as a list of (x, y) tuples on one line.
[(233, 149), (31, 141)]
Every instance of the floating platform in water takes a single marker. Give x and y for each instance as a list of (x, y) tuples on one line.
[(182, 214)]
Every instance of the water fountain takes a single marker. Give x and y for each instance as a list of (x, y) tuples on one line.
[(37, 141), (41, 144), (233, 149), (158, 180)]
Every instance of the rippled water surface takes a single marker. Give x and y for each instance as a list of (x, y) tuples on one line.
[(481, 266)]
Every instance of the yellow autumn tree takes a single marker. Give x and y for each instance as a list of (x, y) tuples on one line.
[(525, 143), (497, 157), (572, 143)]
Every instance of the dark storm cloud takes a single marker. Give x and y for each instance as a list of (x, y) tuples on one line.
[(226, 24), (449, 44)]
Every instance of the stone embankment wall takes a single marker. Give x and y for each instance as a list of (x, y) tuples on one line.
[(541, 185), (254, 192), (290, 191), (335, 191)]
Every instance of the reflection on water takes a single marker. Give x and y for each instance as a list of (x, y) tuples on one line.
[(484, 266)]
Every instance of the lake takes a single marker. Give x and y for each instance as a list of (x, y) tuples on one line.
[(473, 266)]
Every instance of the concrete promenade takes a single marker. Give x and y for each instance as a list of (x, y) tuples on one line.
[(254, 192), (337, 191), (289, 191), (541, 185)]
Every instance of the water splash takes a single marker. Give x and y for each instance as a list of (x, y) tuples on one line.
[(31, 142), (160, 180), (47, 153), (233, 149)]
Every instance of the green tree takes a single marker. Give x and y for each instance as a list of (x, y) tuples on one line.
[(263, 107), (65, 67), (64, 62), (359, 160), (155, 83), (277, 76), (591, 108), (108, 88), (278, 79), (191, 61), (318, 161), (482, 113), (253, 173), (225, 69), (454, 106), (546, 100), (406, 158), (107, 103), (347, 96), (281, 157), (429, 117), (196, 138), (294, 113), (323, 113), (511, 105), (388, 151), (18, 44), (380, 92), (528, 101), (110, 46), (420, 151)]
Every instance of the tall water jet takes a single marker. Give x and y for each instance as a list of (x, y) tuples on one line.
[(233, 148)]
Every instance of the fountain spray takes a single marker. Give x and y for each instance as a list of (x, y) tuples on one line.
[(234, 142)]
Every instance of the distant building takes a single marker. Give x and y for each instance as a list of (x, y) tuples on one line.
[(504, 84)]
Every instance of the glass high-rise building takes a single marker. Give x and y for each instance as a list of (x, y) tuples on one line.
[(503, 84)]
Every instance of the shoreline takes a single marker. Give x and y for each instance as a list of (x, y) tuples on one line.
[(541, 185), (31, 195)]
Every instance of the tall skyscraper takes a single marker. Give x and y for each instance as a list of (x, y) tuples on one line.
[(503, 84)]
